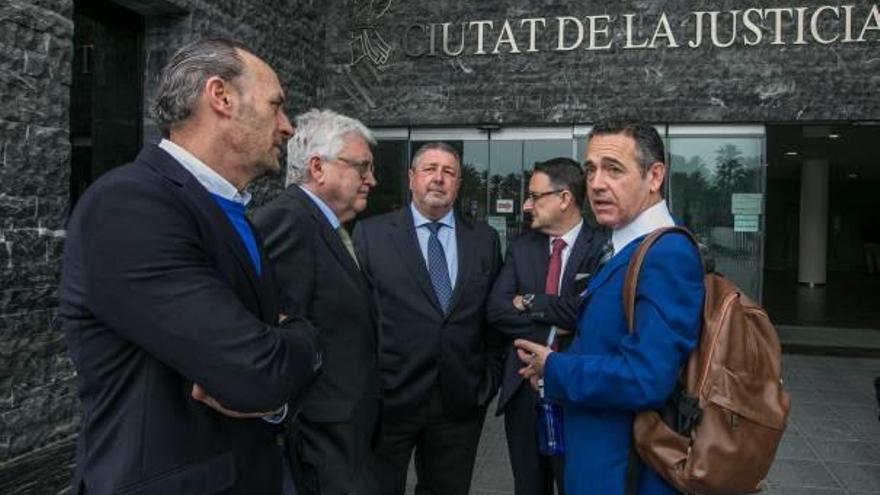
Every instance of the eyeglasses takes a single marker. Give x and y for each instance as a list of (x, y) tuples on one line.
[(364, 168), (535, 196)]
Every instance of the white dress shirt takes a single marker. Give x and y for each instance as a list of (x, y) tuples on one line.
[(207, 177), (648, 221)]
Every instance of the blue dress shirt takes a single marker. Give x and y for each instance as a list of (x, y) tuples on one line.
[(445, 235)]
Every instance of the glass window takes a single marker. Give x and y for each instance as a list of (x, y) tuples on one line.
[(716, 188), (391, 161)]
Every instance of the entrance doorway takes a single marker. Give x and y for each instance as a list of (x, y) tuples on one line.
[(106, 91), (823, 223), (496, 168)]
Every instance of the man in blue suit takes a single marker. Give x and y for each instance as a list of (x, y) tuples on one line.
[(607, 375), (168, 301)]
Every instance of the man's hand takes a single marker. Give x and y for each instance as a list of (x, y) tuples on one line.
[(534, 355), (199, 394), (518, 303)]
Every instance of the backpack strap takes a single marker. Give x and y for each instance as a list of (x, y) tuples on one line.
[(635, 266)]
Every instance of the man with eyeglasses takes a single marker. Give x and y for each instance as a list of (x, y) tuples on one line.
[(440, 361), (538, 287), (330, 174), (615, 368)]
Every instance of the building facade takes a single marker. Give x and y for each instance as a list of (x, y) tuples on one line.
[(770, 109)]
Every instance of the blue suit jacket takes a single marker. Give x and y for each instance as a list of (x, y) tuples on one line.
[(607, 375)]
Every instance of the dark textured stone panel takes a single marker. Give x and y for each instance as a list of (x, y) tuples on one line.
[(45, 471), (763, 83), (36, 274), (29, 298)]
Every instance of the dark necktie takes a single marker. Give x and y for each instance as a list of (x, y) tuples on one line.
[(437, 267), (551, 283), (607, 253)]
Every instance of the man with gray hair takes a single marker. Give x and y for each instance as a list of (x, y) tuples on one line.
[(330, 174), (168, 302)]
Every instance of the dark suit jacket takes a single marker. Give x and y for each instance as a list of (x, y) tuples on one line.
[(319, 280), (525, 272), (419, 345), (157, 292)]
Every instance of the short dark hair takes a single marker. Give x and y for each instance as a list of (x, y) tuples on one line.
[(434, 145), (564, 173), (649, 145), (182, 78)]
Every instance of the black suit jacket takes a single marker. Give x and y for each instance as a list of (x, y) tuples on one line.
[(157, 292), (525, 272), (319, 280), (419, 345)]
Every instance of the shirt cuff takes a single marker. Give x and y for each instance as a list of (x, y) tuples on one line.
[(278, 417)]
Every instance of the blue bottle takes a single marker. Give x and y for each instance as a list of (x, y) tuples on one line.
[(549, 415)]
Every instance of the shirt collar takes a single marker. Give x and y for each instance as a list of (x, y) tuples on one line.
[(569, 237), (331, 217), (207, 177), (418, 219), (648, 221)]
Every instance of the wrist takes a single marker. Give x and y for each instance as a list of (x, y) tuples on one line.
[(528, 301)]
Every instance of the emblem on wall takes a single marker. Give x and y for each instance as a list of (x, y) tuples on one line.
[(366, 42)]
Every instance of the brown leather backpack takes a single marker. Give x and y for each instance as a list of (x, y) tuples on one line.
[(721, 428)]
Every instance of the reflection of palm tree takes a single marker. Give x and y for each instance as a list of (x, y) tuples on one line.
[(472, 195), (735, 173)]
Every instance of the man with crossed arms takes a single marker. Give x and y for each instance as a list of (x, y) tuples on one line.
[(538, 286)]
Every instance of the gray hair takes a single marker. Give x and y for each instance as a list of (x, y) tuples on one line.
[(183, 78), (319, 133), (434, 145)]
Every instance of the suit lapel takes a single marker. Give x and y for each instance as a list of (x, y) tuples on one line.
[(330, 237), (540, 254), (268, 294), (165, 164), (407, 244), (576, 259), (619, 261), (464, 240)]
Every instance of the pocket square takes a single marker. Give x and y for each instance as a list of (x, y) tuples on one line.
[(581, 276)]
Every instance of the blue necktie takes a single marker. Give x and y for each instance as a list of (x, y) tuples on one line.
[(437, 267)]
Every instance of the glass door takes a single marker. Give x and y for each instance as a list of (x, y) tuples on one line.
[(473, 146), (716, 187), (513, 154), (496, 167)]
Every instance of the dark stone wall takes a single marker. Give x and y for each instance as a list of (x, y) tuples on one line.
[(38, 405), (762, 83), (37, 399)]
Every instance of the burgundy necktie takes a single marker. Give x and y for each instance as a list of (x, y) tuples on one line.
[(554, 271), (554, 268)]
